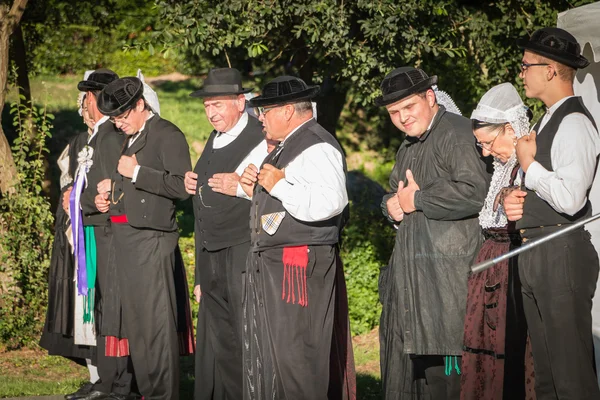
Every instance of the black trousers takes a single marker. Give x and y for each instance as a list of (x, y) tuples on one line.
[(115, 373), (287, 346), (219, 331), (558, 281), (146, 262)]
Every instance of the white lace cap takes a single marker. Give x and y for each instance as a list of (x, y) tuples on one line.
[(81, 95), (149, 94), (445, 100), (502, 104)]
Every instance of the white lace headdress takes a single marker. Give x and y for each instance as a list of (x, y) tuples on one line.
[(81, 95), (149, 94), (445, 100), (501, 104)]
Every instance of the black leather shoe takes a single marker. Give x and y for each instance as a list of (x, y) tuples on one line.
[(131, 396), (83, 390), (93, 395)]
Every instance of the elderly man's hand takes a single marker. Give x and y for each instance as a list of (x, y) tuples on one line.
[(102, 202), (406, 194), (526, 150), (269, 176), (197, 293), (103, 186), (225, 183), (65, 200), (127, 166), (191, 182), (513, 204), (249, 178)]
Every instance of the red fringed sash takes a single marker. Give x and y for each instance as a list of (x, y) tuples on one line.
[(295, 262), (116, 347)]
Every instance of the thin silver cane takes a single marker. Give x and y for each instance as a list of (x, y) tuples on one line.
[(482, 266)]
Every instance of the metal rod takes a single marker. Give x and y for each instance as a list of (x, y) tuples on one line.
[(482, 266)]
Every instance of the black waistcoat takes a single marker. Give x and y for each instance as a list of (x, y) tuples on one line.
[(291, 231), (221, 220), (537, 212)]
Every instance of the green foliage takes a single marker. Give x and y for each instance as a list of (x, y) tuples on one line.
[(26, 226), (366, 245), (64, 37), (353, 44)]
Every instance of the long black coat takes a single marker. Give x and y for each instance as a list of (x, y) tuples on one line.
[(424, 289)]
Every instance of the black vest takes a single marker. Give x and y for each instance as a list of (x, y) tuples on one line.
[(537, 212), (293, 232), (220, 220)]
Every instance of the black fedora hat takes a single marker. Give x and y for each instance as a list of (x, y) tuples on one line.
[(120, 95), (221, 82), (284, 89), (97, 80), (555, 44), (403, 82)]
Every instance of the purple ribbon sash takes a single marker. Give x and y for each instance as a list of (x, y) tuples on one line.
[(78, 235)]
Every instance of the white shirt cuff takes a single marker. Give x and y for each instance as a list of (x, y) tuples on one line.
[(280, 188), (240, 192), (135, 173), (533, 175)]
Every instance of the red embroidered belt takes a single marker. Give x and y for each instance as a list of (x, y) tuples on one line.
[(119, 219)]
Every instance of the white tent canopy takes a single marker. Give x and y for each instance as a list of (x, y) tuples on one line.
[(583, 23)]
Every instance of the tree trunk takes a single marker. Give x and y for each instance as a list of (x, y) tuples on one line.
[(9, 19), (17, 53)]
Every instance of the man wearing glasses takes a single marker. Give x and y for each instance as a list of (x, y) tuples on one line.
[(559, 161), (141, 199), (104, 145), (222, 232), (295, 304)]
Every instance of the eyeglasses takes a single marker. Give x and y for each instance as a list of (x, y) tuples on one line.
[(525, 65), (488, 145), (120, 118), (263, 111)]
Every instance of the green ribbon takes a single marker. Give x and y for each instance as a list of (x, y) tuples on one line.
[(90, 257)]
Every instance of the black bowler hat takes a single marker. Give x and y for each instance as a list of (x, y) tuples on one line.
[(403, 82), (120, 95), (555, 44), (221, 82), (97, 80), (282, 90)]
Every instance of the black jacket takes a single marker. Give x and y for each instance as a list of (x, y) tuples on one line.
[(424, 289), (163, 154), (107, 145)]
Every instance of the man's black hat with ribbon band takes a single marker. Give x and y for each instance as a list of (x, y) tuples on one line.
[(120, 95), (221, 82), (403, 82)]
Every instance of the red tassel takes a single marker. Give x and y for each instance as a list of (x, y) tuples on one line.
[(295, 262)]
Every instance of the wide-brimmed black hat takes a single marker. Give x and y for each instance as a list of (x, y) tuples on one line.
[(555, 44), (284, 89), (120, 95), (97, 80), (403, 82), (221, 82)]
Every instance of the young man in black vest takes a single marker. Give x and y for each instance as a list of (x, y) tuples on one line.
[(558, 278), (294, 284), (106, 142), (152, 284), (222, 232)]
